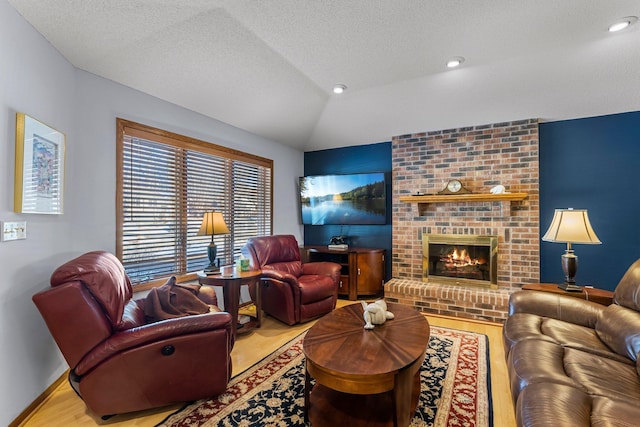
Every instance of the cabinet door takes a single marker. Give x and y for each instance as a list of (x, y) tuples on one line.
[(343, 285), (370, 270)]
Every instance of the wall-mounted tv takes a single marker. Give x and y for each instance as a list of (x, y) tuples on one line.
[(343, 199)]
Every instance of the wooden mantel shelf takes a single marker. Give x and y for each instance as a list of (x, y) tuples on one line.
[(442, 198)]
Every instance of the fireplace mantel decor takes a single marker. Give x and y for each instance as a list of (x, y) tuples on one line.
[(441, 198)]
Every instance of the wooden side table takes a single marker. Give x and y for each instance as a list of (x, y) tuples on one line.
[(600, 296), (231, 292)]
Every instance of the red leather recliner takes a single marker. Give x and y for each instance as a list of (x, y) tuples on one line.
[(291, 291), (119, 362)]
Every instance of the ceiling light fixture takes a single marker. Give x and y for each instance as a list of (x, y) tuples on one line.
[(623, 23), (455, 61), (339, 88)]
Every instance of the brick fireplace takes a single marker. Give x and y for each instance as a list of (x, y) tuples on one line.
[(481, 157)]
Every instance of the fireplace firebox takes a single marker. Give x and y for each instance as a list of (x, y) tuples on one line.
[(460, 259)]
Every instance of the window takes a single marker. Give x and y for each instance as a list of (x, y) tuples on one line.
[(166, 182)]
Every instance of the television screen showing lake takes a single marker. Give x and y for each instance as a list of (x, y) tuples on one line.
[(343, 199), (370, 211)]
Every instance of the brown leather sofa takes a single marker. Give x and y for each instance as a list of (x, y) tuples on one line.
[(292, 291), (573, 362), (119, 362)]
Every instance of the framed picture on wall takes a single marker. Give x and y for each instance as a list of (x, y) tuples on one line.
[(39, 175)]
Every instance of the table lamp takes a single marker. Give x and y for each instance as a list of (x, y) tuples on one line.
[(212, 224), (570, 226)]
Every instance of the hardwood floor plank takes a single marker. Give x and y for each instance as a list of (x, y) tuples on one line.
[(64, 408)]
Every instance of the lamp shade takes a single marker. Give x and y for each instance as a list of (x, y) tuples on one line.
[(213, 223), (571, 226)]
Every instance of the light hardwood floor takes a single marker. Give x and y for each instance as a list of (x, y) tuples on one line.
[(64, 408)]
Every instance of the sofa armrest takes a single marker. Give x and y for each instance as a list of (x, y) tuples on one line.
[(556, 306), (152, 332)]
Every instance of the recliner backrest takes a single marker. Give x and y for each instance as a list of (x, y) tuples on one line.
[(105, 278), (280, 252)]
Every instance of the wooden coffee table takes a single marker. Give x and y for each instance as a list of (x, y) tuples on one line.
[(364, 377)]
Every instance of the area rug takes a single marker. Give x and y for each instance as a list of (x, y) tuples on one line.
[(455, 388)]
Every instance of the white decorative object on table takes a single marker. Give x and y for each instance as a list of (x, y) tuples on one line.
[(375, 313), (498, 189)]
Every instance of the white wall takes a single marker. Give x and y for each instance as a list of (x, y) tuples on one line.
[(37, 80), (92, 181)]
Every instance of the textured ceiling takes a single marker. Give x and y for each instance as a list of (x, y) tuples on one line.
[(268, 66)]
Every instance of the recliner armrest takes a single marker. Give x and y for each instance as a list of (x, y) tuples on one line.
[(556, 306), (322, 268), (152, 332), (279, 275)]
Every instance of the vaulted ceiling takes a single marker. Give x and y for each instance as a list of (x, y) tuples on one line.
[(268, 66)]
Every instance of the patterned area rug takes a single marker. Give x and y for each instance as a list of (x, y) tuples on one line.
[(455, 388)]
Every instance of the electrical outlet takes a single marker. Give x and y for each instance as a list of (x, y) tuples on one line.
[(13, 230)]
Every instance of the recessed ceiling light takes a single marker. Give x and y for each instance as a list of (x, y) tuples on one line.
[(455, 61), (623, 23), (339, 88)]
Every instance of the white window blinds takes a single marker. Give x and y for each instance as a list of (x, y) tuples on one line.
[(166, 183)]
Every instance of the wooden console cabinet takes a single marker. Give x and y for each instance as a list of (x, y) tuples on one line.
[(363, 269)]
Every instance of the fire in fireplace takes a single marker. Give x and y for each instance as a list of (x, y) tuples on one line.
[(460, 259)]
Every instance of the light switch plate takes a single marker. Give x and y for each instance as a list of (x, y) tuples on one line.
[(13, 230)]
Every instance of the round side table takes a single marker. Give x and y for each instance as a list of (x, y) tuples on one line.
[(231, 292)]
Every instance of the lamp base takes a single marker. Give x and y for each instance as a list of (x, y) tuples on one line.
[(213, 267), (214, 263), (570, 287), (570, 268)]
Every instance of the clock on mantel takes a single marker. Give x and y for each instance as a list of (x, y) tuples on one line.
[(454, 187)]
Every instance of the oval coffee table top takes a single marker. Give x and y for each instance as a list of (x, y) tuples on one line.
[(338, 342)]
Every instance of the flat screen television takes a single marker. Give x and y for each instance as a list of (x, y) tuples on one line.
[(351, 199)]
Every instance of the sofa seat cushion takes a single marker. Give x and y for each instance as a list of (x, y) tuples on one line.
[(535, 361), (315, 287), (601, 376), (521, 326), (557, 405)]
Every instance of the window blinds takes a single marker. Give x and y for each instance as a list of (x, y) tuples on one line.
[(166, 185)]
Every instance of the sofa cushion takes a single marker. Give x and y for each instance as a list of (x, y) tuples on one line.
[(627, 293), (557, 405), (521, 326), (619, 328), (601, 376), (534, 361)]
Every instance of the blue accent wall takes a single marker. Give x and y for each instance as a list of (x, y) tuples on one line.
[(590, 163), (354, 159), (594, 164)]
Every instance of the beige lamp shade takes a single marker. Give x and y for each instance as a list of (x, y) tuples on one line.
[(213, 223), (571, 226)]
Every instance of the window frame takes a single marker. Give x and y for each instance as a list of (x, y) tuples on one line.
[(132, 129)]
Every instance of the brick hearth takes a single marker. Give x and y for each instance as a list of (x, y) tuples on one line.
[(480, 157)]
